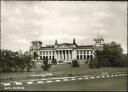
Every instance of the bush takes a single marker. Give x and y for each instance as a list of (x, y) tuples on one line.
[(75, 63), (54, 61), (94, 63), (60, 61), (45, 67)]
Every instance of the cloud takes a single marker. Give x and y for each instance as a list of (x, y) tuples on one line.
[(24, 21)]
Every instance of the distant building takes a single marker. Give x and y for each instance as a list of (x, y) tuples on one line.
[(66, 51)]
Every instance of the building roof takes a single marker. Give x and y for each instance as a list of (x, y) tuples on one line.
[(66, 46), (46, 48), (85, 47)]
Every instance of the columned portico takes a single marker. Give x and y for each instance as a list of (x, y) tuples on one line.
[(63, 54)]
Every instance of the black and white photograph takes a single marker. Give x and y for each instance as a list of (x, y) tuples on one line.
[(63, 46)]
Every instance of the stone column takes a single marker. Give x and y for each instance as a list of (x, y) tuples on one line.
[(82, 54), (89, 54), (71, 54), (58, 55), (65, 54), (55, 55)]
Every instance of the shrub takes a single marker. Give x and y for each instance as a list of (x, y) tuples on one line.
[(54, 61), (75, 63), (60, 61), (94, 63)]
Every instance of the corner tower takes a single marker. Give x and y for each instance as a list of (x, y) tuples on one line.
[(98, 43), (34, 48)]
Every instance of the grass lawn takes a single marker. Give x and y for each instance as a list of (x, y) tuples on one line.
[(60, 70)]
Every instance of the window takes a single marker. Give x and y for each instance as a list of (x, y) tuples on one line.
[(77, 56), (40, 57), (50, 57), (80, 56), (87, 56), (84, 56)]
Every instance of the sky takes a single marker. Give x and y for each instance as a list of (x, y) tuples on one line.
[(25, 21)]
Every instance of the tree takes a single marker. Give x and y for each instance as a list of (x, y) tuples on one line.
[(124, 60), (110, 56), (14, 61), (27, 61), (45, 64)]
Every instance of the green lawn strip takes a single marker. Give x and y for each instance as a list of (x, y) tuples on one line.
[(63, 70)]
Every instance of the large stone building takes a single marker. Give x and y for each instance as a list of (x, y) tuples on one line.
[(66, 51)]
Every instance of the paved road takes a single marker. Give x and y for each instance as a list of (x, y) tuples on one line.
[(94, 84)]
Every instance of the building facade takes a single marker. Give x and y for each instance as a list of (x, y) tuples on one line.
[(66, 51)]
